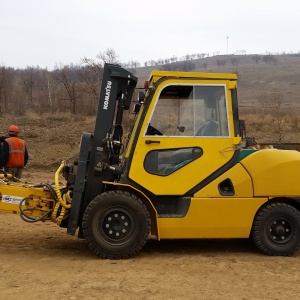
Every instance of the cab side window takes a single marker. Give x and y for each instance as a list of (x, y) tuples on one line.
[(192, 110), (166, 161)]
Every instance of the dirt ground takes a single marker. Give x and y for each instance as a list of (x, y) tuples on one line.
[(40, 261)]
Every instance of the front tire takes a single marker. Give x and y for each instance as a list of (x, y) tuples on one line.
[(116, 225), (276, 229)]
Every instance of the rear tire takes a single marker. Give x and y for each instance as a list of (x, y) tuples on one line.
[(276, 229), (116, 225)]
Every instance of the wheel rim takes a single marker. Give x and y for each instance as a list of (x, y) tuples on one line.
[(116, 226), (281, 231)]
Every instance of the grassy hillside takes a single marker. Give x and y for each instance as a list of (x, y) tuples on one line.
[(253, 79), (52, 138)]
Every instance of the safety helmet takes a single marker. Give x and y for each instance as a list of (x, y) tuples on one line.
[(13, 129)]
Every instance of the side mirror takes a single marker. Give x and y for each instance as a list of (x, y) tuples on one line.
[(242, 125), (136, 107), (141, 97), (181, 128)]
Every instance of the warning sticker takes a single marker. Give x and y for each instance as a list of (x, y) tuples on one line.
[(11, 199)]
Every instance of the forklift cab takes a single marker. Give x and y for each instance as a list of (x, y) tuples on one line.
[(185, 132)]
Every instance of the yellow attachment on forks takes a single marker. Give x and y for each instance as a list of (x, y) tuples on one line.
[(32, 201), (35, 202)]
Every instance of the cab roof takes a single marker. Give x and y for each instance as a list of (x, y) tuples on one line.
[(156, 75)]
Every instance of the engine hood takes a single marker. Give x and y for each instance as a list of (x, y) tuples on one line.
[(274, 172)]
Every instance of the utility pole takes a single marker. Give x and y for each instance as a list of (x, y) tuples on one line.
[(227, 46)]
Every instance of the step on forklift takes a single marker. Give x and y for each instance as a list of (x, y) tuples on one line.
[(183, 173)]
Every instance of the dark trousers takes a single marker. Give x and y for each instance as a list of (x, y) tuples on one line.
[(15, 171)]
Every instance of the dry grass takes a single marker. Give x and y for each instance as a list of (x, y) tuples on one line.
[(50, 138), (53, 138), (265, 128)]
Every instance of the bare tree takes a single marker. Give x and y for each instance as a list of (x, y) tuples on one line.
[(263, 102), (269, 58), (173, 58), (160, 61), (29, 84), (131, 66), (94, 66), (234, 61), (49, 91), (91, 72), (221, 62), (36, 86), (187, 57), (279, 128), (256, 58), (68, 78), (109, 56), (44, 91), (4, 77)]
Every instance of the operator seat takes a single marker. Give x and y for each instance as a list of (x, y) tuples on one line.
[(211, 126)]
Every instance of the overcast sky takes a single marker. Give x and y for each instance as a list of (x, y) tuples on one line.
[(49, 32)]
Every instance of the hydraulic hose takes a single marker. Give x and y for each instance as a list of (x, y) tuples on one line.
[(24, 216), (59, 212), (62, 201), (27, 218)]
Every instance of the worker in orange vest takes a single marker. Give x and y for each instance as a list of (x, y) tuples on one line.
[(15, 154)]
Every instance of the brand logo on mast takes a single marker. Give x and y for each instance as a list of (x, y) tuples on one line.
[(107, 95)]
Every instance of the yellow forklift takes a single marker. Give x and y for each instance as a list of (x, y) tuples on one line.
[(183, 174)]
